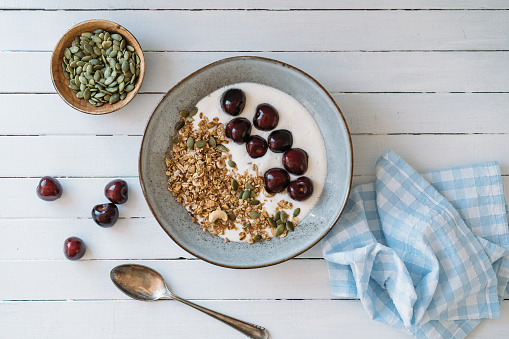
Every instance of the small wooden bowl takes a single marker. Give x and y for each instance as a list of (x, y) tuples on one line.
[(61, 83)]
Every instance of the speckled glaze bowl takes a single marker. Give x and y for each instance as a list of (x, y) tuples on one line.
[(174, 218)]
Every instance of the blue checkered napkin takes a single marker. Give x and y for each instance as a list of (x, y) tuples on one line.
[(428, 254)]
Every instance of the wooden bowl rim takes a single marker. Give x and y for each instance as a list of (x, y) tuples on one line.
[(57, 72)]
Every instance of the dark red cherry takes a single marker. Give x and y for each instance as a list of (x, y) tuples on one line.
[(280, 141), (116, 191), (238, 130), (49, 189), (233, 101), (256, 146), (276, 180), (300, 189), (295, 161), (266, 117), (105, 215), (74, 248)]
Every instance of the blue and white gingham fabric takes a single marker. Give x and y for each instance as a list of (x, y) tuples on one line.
[(428, 254)]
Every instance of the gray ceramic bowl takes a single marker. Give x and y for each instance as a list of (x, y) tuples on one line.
[(174, 218)]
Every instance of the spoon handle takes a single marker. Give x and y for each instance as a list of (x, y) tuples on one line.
[(251, 330)]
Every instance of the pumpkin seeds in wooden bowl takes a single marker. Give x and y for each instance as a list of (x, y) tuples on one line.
[(97, 67)]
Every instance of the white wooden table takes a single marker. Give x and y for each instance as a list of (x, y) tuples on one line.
[(429, 79)]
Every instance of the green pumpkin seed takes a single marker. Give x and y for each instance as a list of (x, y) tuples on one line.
[(90, 68), (231, 215), (86, 94), (257, 237), (284, 216), (232, 163), (112, 89), (125, 66), (200, 143), (108, 81), (97, 31), (279, 222), (114, 98), (289, 226), (280, 229), (86, 34), (212, 142), (222, 148), (272, 223), (184, 114), (277, 216), (240, 194), (92, 102), (235, 185), (129, 88), (176, 140), (66, 75), (79, 95), (179, 125), (88, 48), (190, 143), (73, 63), (130, 48), (74, 49), (254, 202), (86, 58), (253, 215), (116, 36), (67, 53), (252, 194), (121, 87), (245, 194), (193, 111), (246, 226), (250, 187), (122, 96), (296, 212), (106, 44)]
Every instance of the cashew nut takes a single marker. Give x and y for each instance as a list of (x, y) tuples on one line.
[(218, 215)]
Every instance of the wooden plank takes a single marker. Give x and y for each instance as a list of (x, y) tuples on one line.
[(259, 4), (338, 30), (337, 71), (64, 279), (375, 113), (116, 156)]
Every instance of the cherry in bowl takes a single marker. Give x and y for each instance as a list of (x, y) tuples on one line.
[(276, 180), (300, 189), (266, 117), (295, 161), (49, 189), (233, 101), (280, 141), (74, 248), (105, 215), (116, 191), (256, 147), (238, 129)]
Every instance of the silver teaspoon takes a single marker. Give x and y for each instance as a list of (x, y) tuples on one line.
[(143, 283)]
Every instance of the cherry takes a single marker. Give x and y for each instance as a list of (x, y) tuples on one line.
[(49, 189), (105, 215), (233, 101), (266, 117), (238, 130), (116, 191), (280, 141), (74, 248), (295, 161), (256, 146), (276, 180), (300, 189)]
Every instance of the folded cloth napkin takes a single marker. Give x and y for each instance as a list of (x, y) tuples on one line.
[(428, 254)]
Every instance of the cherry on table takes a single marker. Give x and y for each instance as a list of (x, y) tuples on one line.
[(105, 215), (49, 189), (300, 189), (74, 248), (280, 141), (256, 147), (233, 101), (116, 191), (266, 117), (276, 180), (238, 129), (295, 161)]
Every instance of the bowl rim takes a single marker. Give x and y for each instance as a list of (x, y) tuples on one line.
[(140, 171), (123, 31)]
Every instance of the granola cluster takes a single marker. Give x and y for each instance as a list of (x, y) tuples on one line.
[(200, 179)]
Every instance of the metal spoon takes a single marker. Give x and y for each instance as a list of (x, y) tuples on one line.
[(143, 283)]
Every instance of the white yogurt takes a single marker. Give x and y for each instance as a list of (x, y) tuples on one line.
[(293, 117)]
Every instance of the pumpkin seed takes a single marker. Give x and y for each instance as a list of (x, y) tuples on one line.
[(108, 81), (279, 222), (97, 31), (272, 223), (86, 94), (289, 226), (74, 49), (252, 194), (246, 226), (250, 187), (112, 89), (179, 125), (193, 111), (114, 98), (222, 148), (122, 96), (125, 66), (257, 237), (284, 216), (116, 36), (130, 48), (121, 87), (254, 202), (231, 215), (129, 88), (212, 141), (234, 184), (200, 143), (184, 114), (245, 194), (79, 95), (190, 143), (86, 34), (277, 216), (67, 53), (240, 194), (106, 44), (176, 140), (296, 212), (253, 215), (232, 163), (280, 229)]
